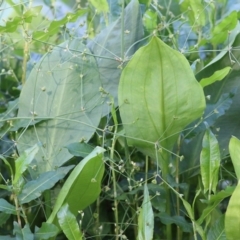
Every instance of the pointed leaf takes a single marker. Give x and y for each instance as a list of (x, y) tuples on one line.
[(210, 161), (217, 76), (46, 231), (234, 150), (158, 97), (221, 30), (83, 185), (23, 162), (33, 189), (66, 82), (7, 207), (103, 46), (232, 217), (68, 223), (146, 218)]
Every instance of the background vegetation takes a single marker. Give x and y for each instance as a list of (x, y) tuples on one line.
[(119, 119)]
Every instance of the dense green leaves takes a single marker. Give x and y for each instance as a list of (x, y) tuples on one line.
[(46, 231), (7, 207)]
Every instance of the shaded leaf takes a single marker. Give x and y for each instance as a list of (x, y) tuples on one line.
[(46, 231), (68, 223), (80, 149), (103, 46), (22, 233), (83, 185), (217, 231), (66, 82), (33, 189), (7, 207), (145, 218), (178, 220)]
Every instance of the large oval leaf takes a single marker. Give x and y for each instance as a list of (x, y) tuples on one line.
[(158, 97), (63, 92), (234, 150), (83, 184)]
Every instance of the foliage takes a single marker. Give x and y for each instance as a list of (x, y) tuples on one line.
[(119, 119)]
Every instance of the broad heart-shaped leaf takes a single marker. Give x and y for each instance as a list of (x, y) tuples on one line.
[(63, 86), (68, 223), (232, 217), (210, 161), (234, 150), (23, 162), (6, 207), (33, 189), (158, 97), (146, 218), (83, 185), (46, 231), (106, 46)]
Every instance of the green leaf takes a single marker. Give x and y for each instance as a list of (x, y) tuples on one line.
[(80, 149), (56, 25), (30, 13), (33, 189), (68, 223), (217, 231), (22, 163), (221, 30), (22, 233), (150, 20), (158, 97), (66, 82), (217, 76), (103, 46), (195, 10), (100, 5), (234, 150), (146, 218), (7, 207), (232, 217), (46, 231), (83, 185), (210, 161)]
